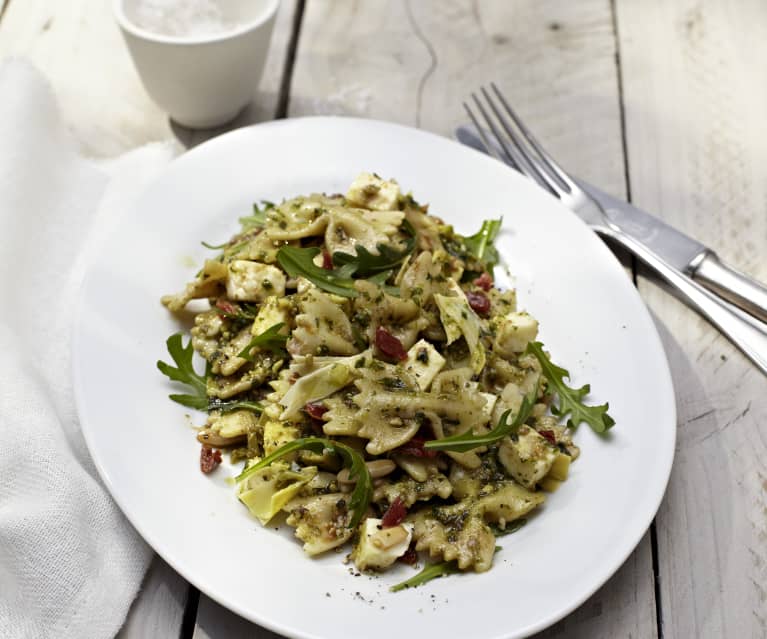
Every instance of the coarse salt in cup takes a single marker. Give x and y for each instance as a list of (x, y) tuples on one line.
[(199, 60)]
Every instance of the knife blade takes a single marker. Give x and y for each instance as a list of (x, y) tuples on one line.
[(685, 254)]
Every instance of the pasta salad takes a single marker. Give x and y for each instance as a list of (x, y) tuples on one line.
[(376, 385)]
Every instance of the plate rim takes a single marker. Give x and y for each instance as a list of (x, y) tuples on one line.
[(76, 368)]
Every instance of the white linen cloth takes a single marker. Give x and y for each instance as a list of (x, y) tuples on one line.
[(70, 563)]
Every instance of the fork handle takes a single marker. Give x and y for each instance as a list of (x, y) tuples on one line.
[(731, 284), (743, 330)]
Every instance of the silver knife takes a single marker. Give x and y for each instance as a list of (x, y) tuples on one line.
[(681, 251)]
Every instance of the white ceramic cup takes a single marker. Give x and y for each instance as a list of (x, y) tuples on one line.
[(202, 81)]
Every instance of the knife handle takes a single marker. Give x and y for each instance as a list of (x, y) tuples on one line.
[(731, 284), (743, 330)]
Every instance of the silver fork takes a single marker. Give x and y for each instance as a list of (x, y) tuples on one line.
[(521, 150)]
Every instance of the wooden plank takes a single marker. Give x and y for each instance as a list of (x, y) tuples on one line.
[(78, 46), (216, 622), (623, 607), (695, 101), (159, 609), (408, 63)]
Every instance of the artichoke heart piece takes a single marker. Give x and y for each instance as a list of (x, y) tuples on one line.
[(561, 467), (271, 312), (558, 473), (459, 319), (268, 490), (316, 385)]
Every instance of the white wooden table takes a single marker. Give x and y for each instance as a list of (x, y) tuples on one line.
[(662, 102)]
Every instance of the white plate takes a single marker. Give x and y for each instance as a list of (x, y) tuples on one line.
[(592, 320)]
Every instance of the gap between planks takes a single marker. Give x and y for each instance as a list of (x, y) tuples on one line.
[(633, 265), (283, 101)]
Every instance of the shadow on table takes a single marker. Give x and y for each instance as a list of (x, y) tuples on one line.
[(255, 112), (630, 597)]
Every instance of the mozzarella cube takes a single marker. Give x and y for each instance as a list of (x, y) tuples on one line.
[(514, 332), (379, 547), (423, 362), (529, 458), (372, 192), (252, 281), (487, 409)]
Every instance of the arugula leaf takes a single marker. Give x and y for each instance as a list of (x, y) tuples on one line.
[(365, 263), (184, 372), (511, 527), (429, 572), (358, 471), (270, 340), (241, 311), (258, 218), (569, 399), (299, 262), (227, 407), (480, 245), (468, 440), (214, 247)]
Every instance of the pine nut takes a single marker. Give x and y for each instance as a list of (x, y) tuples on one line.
[(377, 468)]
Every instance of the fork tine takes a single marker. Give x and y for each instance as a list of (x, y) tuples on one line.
[(530, 162), (549, 162), (509, 153), (516, 155), (491, 148)]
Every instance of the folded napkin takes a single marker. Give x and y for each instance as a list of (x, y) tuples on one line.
[(70, 563)]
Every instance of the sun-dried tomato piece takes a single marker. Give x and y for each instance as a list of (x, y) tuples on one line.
[(226, 306), (410, 557), (209, 459), (315, 410), (327, 260), (479, 302), (484, 281), (549, 436), (395, 513), (389, 345), (415, 448)]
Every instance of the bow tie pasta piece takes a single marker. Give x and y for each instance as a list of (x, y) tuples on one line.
[(372, 192), (322, 327), (321, 522)]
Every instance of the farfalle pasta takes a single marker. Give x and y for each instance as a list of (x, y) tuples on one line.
[(376, 385)]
